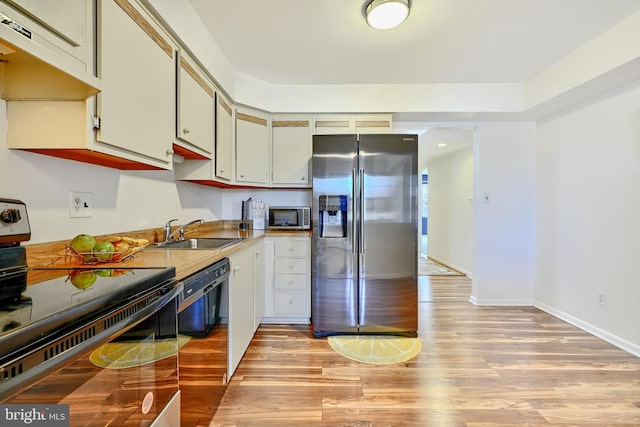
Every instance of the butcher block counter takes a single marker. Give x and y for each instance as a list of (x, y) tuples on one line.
[(185, 261)]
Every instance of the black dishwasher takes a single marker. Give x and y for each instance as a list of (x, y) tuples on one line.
[(199, 305)]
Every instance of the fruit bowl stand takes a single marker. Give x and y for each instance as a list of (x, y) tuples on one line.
[(92, 258)]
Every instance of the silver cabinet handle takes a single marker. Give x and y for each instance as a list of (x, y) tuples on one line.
[(185, 131)]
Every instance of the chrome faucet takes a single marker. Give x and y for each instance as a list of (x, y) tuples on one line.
[(167, 230), (179, 231)]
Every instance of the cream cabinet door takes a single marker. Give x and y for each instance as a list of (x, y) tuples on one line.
[(373, 124), (70, 20), (136, 65), (332, 125), (258, 283), (224, 139), (345, 124), (252, 148), (290, 151), (195, 106), (241, 305)]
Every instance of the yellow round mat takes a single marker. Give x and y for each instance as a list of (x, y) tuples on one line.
[(375, 349), (127, 354)]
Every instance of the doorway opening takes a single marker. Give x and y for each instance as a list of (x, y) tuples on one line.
[(424, 188)]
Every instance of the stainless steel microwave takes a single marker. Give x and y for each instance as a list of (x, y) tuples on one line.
[(289, 218)]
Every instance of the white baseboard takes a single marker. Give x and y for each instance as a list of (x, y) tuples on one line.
[(593, 330), (501, 302), (451, 266)]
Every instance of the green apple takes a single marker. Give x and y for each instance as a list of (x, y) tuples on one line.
[(103, 250), (105, 272), (83, 243), (83, 279)]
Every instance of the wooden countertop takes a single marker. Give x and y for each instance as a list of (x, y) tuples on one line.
[(185, 261)]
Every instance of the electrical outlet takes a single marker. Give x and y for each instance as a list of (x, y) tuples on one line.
[(79, 205), (602, 299)]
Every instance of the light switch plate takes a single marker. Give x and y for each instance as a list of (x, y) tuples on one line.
[(79, 205)]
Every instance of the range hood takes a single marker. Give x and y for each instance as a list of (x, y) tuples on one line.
[(31, 71)]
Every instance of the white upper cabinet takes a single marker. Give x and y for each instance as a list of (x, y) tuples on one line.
[(252, 147), (64, 17), (334, 124), (224, 140), (47, 50), (291, 151), (136, 63), (346, 124), (374, 123), (196, 104)]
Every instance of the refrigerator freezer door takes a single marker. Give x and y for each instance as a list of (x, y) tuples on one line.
[(388, 242), (334, 257)]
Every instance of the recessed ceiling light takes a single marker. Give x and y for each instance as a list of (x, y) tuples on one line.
[(386, 14), (442, 144)]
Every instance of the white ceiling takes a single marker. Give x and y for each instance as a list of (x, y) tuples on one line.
[(442, 41)]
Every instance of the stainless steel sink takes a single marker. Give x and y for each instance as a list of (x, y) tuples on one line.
[(201, 243)]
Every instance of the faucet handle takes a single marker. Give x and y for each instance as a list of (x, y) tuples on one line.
[(167, 229)]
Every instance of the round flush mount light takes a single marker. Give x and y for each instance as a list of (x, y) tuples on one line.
[(387, 14)]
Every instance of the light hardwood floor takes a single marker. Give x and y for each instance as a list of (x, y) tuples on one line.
[(479, 366)]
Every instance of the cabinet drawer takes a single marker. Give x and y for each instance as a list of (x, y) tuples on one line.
[(291, 266), (291, 248), (291, 302), (290, 281)]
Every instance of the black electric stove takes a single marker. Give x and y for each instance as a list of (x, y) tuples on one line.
[(48, 316)]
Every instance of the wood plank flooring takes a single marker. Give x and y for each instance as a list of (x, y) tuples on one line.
[(479, 366)]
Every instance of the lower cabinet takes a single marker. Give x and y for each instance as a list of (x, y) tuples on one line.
[(258, 283), (241, 305), (288, 280)]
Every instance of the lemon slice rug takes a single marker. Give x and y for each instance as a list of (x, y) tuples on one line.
[(127, 354), (376, 349)]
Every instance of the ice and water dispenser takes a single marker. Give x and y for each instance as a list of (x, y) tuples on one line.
[(332, 213)]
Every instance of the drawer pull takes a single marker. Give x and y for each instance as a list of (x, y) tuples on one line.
[(290, 266), (290, 300), (236, 268), (290, 248), (291, 282)]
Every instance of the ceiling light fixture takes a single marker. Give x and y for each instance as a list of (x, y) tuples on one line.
[(386, 14)]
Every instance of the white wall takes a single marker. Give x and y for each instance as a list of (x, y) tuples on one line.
[(587, 217), (450, 222), (503, 238), (122, 200)]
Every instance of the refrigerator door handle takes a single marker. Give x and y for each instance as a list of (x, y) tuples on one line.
[(353, 212), (361, 219)]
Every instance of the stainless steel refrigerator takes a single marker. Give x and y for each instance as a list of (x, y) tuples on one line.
[(365, 234)]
